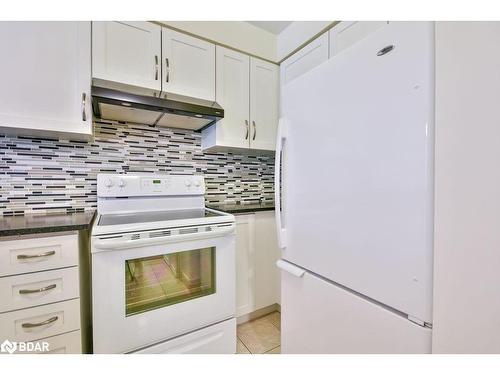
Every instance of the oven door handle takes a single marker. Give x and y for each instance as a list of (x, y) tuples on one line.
[(100, 244)]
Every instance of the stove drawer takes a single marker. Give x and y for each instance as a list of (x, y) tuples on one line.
[(37, 254), (39, 322), (216, 339), (39, 288)]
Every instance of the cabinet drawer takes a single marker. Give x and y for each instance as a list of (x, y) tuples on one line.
[(39, 322), (67, 343), (39, 288), (37, 254)]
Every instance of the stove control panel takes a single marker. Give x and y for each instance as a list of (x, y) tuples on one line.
[(120, 185)]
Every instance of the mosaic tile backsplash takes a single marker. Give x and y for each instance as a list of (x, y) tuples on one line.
[(40, 175)]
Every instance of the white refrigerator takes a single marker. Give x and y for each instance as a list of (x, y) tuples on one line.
[(354, 198)]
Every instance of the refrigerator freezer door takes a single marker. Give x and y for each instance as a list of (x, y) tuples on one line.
[(320, 317), (358, 168)]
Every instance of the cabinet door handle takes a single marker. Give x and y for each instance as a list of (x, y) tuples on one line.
[(167, 65), (39, 290), (44, 323), (84, 105), (248, 129), (156, 67), (254, 130), (46, 254)]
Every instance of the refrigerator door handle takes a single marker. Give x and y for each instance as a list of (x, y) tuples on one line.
[(280, 141), (290, 268)]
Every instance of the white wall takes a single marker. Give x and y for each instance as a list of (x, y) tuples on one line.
[(297, 33), (467, 222), (237, 34)]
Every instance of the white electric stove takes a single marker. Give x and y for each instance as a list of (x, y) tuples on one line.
[(163, 267)]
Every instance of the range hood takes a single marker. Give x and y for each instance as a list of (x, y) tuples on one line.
[(120, 102)]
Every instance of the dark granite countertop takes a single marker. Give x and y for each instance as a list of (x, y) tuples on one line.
[(30, 224), (233, 208)]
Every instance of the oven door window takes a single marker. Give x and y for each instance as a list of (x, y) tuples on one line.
[(163, 280)]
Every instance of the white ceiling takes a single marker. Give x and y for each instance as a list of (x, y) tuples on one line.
[(274, 27)]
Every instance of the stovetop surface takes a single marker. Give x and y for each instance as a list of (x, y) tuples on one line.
[(155, 216)]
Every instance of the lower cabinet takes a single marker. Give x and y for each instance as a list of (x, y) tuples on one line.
[(40, 310), (245, 264), (267, 253), (257, 277)]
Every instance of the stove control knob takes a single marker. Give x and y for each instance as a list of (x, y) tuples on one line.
[(109, 183), (187, 183), (197, 183), (122, 183)]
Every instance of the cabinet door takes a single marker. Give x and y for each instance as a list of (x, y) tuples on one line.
[(267, 252), (245, 264), (263, 104), (305, 59), (233, 94), (45, 78), (188, 65), (127, 52), (345, 34)]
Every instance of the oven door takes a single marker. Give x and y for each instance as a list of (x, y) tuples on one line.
[(146, 290)]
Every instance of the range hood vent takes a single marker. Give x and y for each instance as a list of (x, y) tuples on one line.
[(120, 102)]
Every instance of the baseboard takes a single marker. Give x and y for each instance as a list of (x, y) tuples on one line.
[(258, 313)]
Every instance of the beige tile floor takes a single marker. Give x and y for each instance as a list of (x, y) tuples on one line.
[(260, 336)]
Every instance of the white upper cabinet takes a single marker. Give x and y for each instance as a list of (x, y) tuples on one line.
[(233, 94), (305, 59), (345, 34), (247, 89), (188, 65), (148, 55), (263, 104), (45, 78), (127, 52)]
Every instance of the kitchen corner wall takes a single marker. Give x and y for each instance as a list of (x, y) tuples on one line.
[(42, 175)]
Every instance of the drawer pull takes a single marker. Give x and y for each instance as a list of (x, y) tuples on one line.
[(46, 254), (44, 323), (30, 291)]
